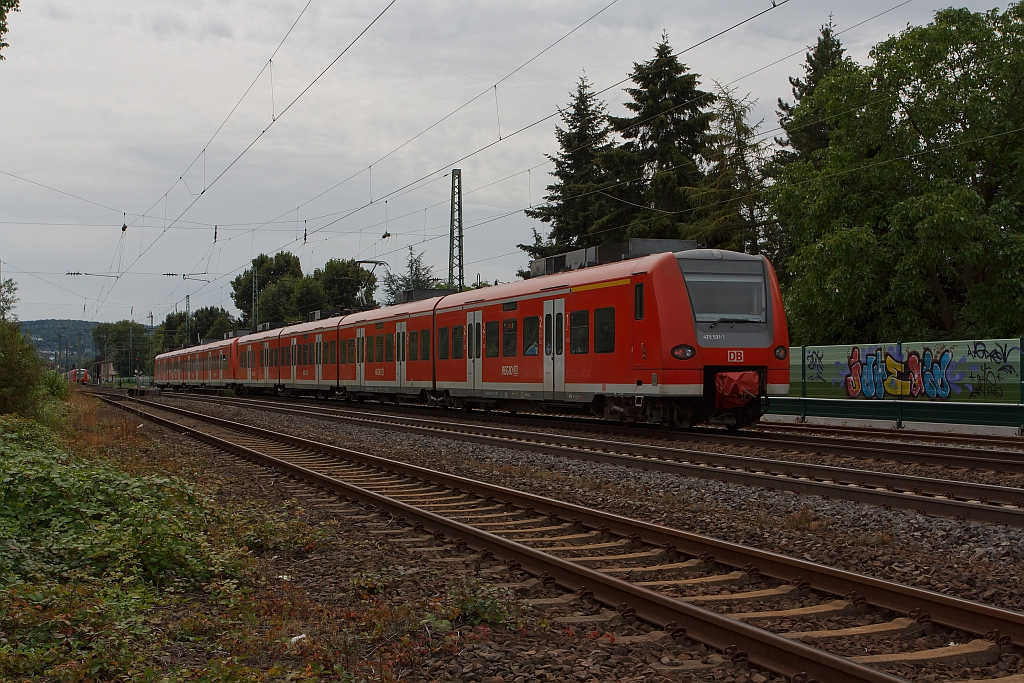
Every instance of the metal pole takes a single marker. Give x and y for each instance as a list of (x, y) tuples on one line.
[(456, 265)]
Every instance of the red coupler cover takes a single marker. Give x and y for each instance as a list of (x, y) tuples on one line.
[(735, 389)]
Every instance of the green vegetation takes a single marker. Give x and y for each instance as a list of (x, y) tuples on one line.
[(5, 7), (892, 208), (909, 224), (286, 295), (123, 558), (85, 550)]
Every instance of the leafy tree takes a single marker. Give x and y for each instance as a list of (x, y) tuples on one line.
[(309, 296), (666, 141), (807, 130), (20, 369), (6, 6), (203, 320), (127, 345), (572, 205), (277, 302), (220, 327), (909, 224), (8, 300), (166, 334), (732, 214), (269, 270), (343, 281), (417, 275)]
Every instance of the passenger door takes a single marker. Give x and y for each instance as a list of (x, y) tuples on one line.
[(400, 354), (641, 301), (473, 351), (554, 349), (319, 365), (360, 358)]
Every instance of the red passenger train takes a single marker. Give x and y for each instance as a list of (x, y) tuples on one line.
[(674, 338)]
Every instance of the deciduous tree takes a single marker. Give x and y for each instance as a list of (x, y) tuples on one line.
[(910, 224)]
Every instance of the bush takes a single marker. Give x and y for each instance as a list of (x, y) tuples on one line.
[(20, 371), (55, 385), (61, 518)]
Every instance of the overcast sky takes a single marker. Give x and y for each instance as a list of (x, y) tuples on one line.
[(112, 101)]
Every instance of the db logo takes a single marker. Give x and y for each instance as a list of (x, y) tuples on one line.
[(735, 356)]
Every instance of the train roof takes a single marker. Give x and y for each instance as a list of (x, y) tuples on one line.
[(512, 290)]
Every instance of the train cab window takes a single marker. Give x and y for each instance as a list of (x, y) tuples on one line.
[(389, 348), (531, 335), (491, 338), (509, 338), (457, 342), (604, 330), (638, 301), (380, 348), (414, 345), (424, 345), (442, 343), (351, 350), (579, 332)]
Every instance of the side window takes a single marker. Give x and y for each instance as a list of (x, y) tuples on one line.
[(547, 334), (442, 343), (579, 332), (380, 348), (604, 330), (342, 358), (414, 345), (457, 333), (334, 352), (531, 335), (424, 344), (491, 338), (509, 338), (638, 302), (389, 348)]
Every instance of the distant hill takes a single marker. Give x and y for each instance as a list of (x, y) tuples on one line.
[(43, 334)]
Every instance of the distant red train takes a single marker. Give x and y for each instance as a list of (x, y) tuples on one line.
[(78, 376), (677, 338)]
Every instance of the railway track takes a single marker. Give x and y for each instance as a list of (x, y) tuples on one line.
[(888, 445), (721, 594), (939, 497), (972, 441)]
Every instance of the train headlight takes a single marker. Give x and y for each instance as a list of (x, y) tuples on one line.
[(684, 352), (781, 352)]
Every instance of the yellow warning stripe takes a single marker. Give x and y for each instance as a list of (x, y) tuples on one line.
[(601, 285)]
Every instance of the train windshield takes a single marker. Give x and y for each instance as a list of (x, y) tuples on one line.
[(726, 291)]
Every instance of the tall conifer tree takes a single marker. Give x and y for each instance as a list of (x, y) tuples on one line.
[(666, 141), (809, 132), (571, 204)]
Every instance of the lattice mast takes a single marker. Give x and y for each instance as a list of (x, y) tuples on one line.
[(456, 264)]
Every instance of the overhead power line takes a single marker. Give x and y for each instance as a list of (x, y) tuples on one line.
[(255, 140)]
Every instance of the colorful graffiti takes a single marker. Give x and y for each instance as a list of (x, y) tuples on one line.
[(878, 374), (976, 371)]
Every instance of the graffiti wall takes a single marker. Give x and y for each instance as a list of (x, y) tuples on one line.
[(982, 371)]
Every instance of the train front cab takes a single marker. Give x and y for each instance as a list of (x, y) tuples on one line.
[(724, 335)]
